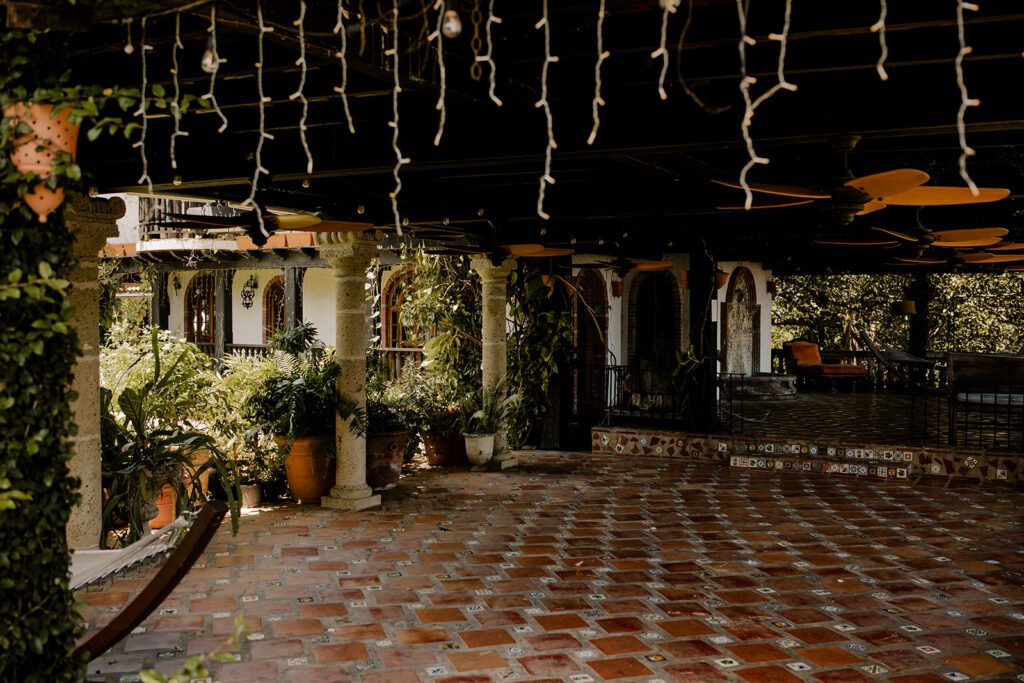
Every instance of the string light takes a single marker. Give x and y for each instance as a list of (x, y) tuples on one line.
[(488, 56), (542, 103), (128, 46), (300, 94), (602, 55), (667, 7), (476, 44), (215, 62), (141, 111), (399, 159), (679, 69), (438, 35), (879, 28), (264, 135), (965, 100), (176, 102), (746, 81), (339, 28)]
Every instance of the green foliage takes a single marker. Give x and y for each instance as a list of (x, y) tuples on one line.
[(300, 397), (143, 450), (490, 411), (390, 406), (38, 622), (540, 341), (977, 312)]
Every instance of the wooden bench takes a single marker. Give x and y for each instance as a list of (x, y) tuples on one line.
[(804, 360)]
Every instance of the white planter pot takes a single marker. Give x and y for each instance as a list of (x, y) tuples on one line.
[(251, 495), (479, 448)]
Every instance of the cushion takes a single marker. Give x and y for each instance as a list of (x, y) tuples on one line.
[(835, 370), (804, 353)]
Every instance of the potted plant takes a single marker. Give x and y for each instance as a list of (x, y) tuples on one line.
[(297, 404), (387, 423), (487, 416), (146, 456)]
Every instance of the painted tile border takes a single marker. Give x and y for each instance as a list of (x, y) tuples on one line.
[(804, 456)]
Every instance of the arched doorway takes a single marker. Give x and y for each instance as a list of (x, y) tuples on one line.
[(741, 325), (273, 308), (200, 310), (654, 313)]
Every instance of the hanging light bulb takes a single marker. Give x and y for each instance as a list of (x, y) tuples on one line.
[(209, 62), (451, 27)]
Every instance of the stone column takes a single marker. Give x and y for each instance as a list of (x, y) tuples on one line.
[(494, 338), (92, 221), (350, 255)]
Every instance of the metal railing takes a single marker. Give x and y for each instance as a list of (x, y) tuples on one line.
[(898, 372), (246, 350), (988, 416)]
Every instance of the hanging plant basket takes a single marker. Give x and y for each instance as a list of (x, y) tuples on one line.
[(34, 152)]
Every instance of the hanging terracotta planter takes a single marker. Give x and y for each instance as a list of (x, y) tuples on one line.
[(35, 151)]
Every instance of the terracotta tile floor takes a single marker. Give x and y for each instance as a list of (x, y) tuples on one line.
[(583, 568)]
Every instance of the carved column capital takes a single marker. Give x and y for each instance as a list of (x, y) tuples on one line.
[(93, 220), (491, 273), (347, 250)]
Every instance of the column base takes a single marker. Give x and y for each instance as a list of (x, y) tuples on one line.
[(350, 504), (505, 462)]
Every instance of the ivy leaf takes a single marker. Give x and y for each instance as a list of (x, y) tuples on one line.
[(45, 270), (158, 90), (74, 172), (93, 133)]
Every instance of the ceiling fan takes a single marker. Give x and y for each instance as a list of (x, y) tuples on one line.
[(621, 265), (954, 241), (850, 196), (249, 223)]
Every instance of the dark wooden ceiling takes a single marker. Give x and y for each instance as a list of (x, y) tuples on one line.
[(643, 187)]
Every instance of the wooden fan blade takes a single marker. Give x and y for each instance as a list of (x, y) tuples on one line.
[(967, 244), (937, 195), (923, 260), (549, 252), (994, 258), (783, 190), (872, 206), (898, 235), (652, 265), (1015, 269), (766, 204), (854, 242), (1008, 246), (522, 249), (969, 234), (888, 183), (298, 221)]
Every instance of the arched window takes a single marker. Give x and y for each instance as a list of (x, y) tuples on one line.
[(401, 341), (654, 313), (199, 311), (273, 308)]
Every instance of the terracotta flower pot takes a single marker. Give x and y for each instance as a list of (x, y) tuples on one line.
[(35, 152), (309, 477), (384, 455), (445, 451), (164, 508)]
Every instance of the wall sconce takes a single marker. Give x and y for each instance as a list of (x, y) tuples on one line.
[(905, 307), (617, 286), (176, 283), (249, 291), (721, 279), (773, 288)]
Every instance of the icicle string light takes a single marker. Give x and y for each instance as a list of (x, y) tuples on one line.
[(965, 99), (128, 46), (141, 111), (488, 56), (602, 55), (542, 103), (215, 67), (399, 159), (339, 28), (667, 7), (476, 44), (264, 135), (300, 93), (879, 28), (176, 102), (679, 68), (442, 72), (746, 81)]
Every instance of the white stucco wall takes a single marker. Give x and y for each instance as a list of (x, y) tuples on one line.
[(764, 300), (247, 323), (318, 302), (176, 297)]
